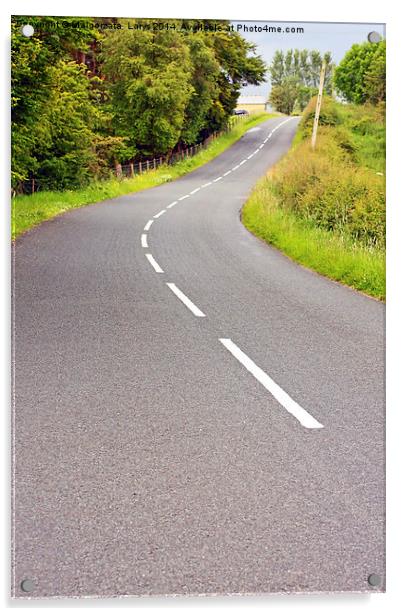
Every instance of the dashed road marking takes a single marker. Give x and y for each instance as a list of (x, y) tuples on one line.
[(236, 167), (195, 190), (154, 264), (227, 173), (183, 197), (144, 242), (186, 301), (306, 420), (217, 179), (159, 213), (207, 184), (242, 162), (172, 204), (148, 225)]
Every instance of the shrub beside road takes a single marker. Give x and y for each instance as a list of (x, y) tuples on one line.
[(326, 208)]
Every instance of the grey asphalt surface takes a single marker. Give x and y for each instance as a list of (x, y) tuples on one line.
[(148, 460)]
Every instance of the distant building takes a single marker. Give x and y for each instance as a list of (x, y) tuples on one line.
[(253, 103)]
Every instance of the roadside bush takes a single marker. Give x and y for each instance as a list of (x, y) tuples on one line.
[(329, 114), (326, 187)]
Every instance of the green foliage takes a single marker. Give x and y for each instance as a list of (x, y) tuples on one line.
[(283, 96), (360, 76), (66, 157), (331, 185), (204, 80), (174, 85), (329, 115), (326, 207), (238, 65), (31, 210), (150, 83), (146, 92), (52, 110), (327, 252), (295, 76)]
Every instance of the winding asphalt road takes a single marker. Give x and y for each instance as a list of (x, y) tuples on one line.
[(194, 413)]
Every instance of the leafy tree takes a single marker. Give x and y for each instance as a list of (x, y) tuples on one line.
[(295, 78), (33, 81), (145, 92), (67, 157), (376, 77), (277, 68), (204, 80), (360, 76), (284, 96), (149, 77), (174, 85), (239, 65)]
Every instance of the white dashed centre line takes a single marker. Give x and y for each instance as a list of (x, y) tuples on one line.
[(306, 420), (183, 197), (172, 204), (242, 162), (160, 213), (154, 264), (251, 156), (148, 225), (186, 301), (227, 173), (195, 191), (144, 242), (236, 167), (217, 179)]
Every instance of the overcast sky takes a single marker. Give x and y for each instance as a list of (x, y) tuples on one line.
[(336, 38)]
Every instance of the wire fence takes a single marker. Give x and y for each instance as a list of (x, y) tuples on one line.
[(134, 168)]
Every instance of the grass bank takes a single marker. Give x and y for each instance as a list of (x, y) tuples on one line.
[(30, 210), (326, 208)]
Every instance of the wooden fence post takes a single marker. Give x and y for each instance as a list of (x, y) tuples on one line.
[(118, 169), (132, 169)]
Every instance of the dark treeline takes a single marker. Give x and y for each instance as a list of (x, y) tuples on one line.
[(89, 97)]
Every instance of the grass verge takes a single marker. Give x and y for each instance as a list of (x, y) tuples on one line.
[(30, 210), (325, 208), (326, 252)]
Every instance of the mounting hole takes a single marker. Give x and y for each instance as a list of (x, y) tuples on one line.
[(27, 30), (27, 585), (374, 579), (374, 37)]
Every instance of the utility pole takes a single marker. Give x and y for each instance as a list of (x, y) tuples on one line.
[(318, 105)]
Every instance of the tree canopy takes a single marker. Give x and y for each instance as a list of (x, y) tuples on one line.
[(86, 95), (360, 76), (295, 76)]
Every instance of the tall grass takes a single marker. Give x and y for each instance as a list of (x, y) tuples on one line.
[(30, 210), (326, 208), (327, 252)]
